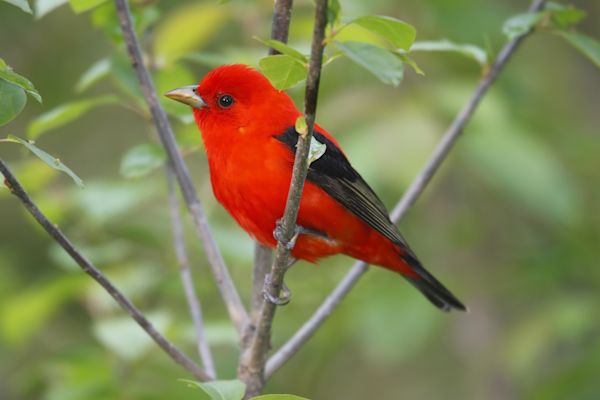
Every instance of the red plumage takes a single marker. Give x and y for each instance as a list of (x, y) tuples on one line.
[(250, 170)]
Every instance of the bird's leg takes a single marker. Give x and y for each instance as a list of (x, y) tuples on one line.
[(298, 230), (286, 294), (282, 300)]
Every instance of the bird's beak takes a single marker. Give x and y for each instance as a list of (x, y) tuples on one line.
[(187, 95)]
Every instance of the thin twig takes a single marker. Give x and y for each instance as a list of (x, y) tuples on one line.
[(186, 277), (232, 300), (253, 359), (412, 193), (263, 256), (16, 189)]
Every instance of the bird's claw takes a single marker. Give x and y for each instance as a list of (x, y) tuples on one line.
[(286, 294), (298, 230)]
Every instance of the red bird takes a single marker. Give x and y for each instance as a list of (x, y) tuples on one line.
[(247, 127)]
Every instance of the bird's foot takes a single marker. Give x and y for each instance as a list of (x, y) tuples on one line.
[(298, 230), (283, 299)]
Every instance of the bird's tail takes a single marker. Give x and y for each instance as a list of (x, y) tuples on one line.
[(431, 287)]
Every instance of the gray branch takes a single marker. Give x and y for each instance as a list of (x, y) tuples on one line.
[(186, 278), (263, 256), (412, 193), (180, 358), (252, 363), (232, 300)]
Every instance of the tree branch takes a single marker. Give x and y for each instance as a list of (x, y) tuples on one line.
[(253, 359), (412, 193), (186, 277), (232, 300), (263, 256), (180, 358)]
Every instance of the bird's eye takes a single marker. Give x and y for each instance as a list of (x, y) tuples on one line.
[(225, 101)]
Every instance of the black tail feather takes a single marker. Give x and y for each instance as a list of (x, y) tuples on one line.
[(431, 287)]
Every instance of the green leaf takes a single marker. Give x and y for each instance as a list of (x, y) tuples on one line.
[(7, 73), (278, 397), (22, 4), (187, 28), (283, 71), (12, 101), (283, 49), (412, 63), (468, 50), (564, 17), (141, 159), (43, 7), (66, 113), (398, 33), (334, 10), (23, 314), (45, 157), (127, 339), (97, 71), (383, 64), (521, 23), (80, 6), (220, 390), (585, 44)]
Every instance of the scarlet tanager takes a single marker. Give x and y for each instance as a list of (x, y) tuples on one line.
[(248, 129)]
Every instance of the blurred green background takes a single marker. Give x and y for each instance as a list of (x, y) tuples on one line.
[(511, 223)]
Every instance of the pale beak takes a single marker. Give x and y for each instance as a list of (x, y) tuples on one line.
[(187, 95)]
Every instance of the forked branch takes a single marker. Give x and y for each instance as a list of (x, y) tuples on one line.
[(236, 309), (412, 193)]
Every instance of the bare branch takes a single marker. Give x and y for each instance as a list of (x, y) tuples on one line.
[(234, 305), (263, 256), (186, 277), (412, 193), (180, 358), (253, 359)]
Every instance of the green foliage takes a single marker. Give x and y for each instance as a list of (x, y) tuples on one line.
[(66, 113), (560, 20), (8, 75), (80, 6), (585, 44), (283, 71), (43, 7), (386, 66), (398, 34), (123, 336), (220, 390), (473, 52), (12, 101), (142, 159), (22, 4), (279, 397), (185, 29), (12, 93), (45, 157), (520, 24), (22, 316)]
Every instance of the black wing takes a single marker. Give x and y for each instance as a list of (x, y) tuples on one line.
[(333, 173)]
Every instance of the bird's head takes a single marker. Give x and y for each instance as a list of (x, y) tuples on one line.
[(236, 99)]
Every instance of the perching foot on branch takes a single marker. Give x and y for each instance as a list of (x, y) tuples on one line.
[(298, 230), (282, 300)]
